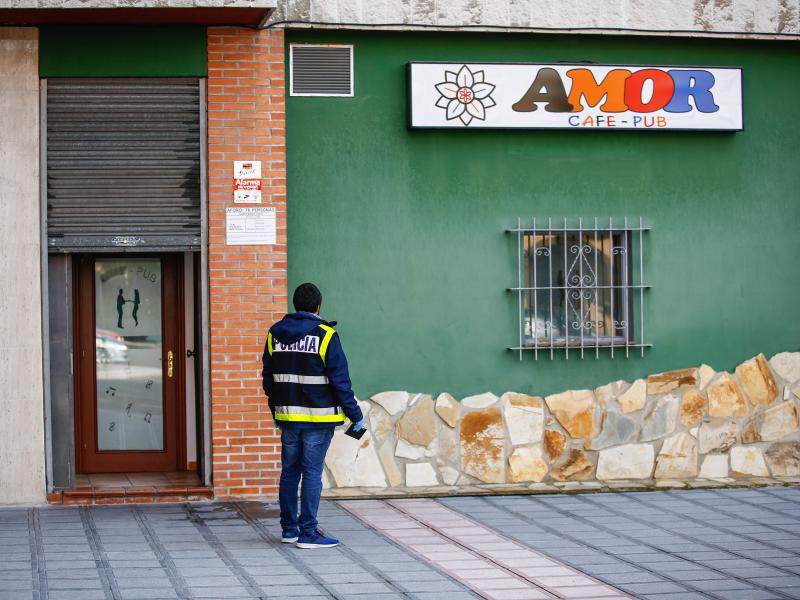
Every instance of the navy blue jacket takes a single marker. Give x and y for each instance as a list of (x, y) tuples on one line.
[(338, 392)]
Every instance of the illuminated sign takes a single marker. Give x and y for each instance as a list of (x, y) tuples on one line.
[(534, 96)]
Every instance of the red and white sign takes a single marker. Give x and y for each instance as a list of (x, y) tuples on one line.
[(247, 181)]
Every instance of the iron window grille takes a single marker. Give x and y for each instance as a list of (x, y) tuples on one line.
[(580, 287)]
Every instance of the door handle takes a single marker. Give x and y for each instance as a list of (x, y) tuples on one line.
[(170, 361)]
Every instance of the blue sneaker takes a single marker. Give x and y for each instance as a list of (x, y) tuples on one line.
[(289, 536), (315, 540)]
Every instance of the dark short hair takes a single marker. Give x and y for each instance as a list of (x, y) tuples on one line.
[(307, 297)]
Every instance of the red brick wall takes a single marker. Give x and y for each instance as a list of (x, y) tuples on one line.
[(246, 121)]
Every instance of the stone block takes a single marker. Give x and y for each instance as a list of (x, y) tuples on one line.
[(634, 398), (787, 366), (575, 468), (448, 445), (483, 445), (660, 418), (607, 394), (393, 402), (748, 460), (757, 380), (380, 423), (421, 475), (705, 375), (418, 424), (725, 398), (617, 429), (393, 474), (714, 466), (554, 443), (693, 407), (631, 461), (526, 463), (783, 459), (411, 451), (663, 383), (448, 409), (574, 410), (772, 424), (479, 401), (524, 417), (677, 458), (449, 475), (717, 436), (354, 463)]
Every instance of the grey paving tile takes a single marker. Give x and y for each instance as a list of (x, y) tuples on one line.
[(361, 589), (694, 575), (635, 577), (16, 595), (673, 596), (214, 593), (76, 595), (16, 574), (749, 595), (135, 583), (16, 585), (293, 591), (776, 582), (75, 584), (664, 587), (149, 594), (353, 576), (231, 581)]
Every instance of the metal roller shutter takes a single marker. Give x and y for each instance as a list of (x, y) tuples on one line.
[(123, 164)]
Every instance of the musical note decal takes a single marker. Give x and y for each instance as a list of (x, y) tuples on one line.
[(111, 426), (111, 391), (149, 384), (148, 417), (128, 409)]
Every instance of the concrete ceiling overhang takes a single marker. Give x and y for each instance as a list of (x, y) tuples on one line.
[(253, 15)]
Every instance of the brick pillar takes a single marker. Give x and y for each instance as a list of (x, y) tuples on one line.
[(246, 121)]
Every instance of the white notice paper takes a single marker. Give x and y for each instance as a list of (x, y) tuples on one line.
[(250, 226)]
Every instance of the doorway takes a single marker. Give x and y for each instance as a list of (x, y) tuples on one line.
[(130, 413)]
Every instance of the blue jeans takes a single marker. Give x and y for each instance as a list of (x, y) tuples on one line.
[(302, 454)]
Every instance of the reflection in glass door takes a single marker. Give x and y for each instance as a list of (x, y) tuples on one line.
[(128, 351)]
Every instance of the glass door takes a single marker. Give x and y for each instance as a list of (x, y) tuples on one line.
[(129, 383)]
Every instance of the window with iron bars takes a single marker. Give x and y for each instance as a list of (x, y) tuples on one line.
[(581, 286)]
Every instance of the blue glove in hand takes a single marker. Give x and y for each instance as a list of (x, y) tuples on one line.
[(359, 426)]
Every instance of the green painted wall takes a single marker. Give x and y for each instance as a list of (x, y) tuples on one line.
[(404, 230), (123, 52)]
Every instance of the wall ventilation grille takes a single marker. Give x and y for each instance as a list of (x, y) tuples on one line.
[(321, 70)]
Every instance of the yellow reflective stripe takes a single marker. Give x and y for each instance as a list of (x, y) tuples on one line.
[(323, 348), (310, 418), (269, 343)]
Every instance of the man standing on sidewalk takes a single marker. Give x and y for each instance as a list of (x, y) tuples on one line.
[(308, 384)]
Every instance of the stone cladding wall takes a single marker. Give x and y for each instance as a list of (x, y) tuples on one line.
[(246, 121), (670, 427)]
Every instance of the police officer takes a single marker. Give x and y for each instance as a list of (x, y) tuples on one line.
[(307, 381)]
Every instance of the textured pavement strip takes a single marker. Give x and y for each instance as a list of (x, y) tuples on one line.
[(676, 545), (492, 565)]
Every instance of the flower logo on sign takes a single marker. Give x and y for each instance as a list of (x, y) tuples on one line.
[(465, 95)]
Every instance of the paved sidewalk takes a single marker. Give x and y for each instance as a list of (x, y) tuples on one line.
[(721, 544), (724, 544)]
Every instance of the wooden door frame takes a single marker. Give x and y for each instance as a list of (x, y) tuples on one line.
[(172, 308)]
